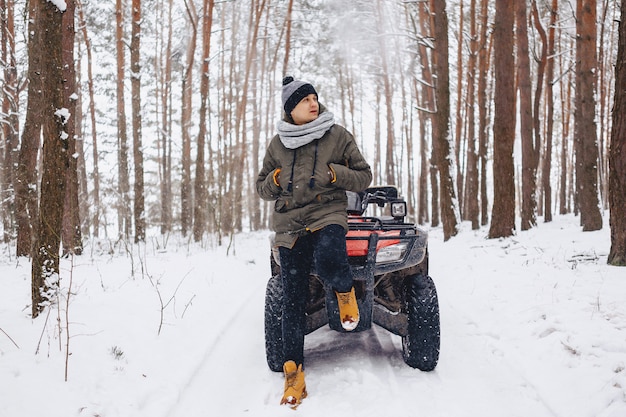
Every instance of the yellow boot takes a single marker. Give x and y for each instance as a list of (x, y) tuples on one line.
[(295, 387), (348, 309)]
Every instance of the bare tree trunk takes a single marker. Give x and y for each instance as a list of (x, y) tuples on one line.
[(604, 96), (503, 212), (45, 265), (529, 150), (287, 38), (541, 68), (6, 165), (227, 80), (472, 155), (166, 125), (259, 78), (124, 212), (445, 151), (423, 92), (200, 190), (483, 72), (25, 186), (548, 62), (83, 186), (586, 139), (72, 233), (135, 82), (266, 127), (390, 165), (411, 174), (430, 103), (94, 132), (617, 154), (377, 169), (352, 102), (256, 12), (458, 129), (10, 122), (407, 131), (186, 112), (565, 174), (342, 89), (253, 208), (422, 210), (435, 218)]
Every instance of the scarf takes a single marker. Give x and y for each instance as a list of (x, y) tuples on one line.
[(294, 136)]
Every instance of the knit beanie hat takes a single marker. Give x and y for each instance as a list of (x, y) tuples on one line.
[(293, 92)]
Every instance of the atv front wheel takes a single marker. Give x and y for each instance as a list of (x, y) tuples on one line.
[(420, 347), (274, 323)]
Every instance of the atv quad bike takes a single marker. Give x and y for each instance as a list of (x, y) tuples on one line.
[(389, 261)]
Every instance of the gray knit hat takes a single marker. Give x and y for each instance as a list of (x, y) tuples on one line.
[(293, 92)]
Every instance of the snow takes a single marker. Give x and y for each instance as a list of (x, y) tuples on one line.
[(63, 113), (61, 5), (532, 325)]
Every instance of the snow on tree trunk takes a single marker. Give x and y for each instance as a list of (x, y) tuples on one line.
[(45, 263), (445, 151)]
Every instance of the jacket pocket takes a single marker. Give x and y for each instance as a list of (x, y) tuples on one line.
[(334, 195)]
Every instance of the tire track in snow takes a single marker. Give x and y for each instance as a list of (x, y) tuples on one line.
[(357, 374), (231, 345)]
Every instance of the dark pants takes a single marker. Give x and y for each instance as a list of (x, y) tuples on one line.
[(326, 250)]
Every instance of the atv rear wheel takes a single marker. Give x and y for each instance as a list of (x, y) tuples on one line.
[(274, 323), (420, 347)]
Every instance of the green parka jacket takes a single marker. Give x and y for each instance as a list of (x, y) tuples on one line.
[(308, 183)]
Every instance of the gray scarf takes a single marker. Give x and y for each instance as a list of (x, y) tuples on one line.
[(295, 136)]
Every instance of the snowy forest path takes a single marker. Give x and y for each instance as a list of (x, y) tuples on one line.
[(525, 331), (225, 378), (357, 373)]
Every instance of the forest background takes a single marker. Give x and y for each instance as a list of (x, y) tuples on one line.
[(130, 116)]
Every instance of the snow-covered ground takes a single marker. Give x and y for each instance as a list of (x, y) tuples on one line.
[(533, 325)]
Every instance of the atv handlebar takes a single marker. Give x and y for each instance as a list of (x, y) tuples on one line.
[(381, 196)]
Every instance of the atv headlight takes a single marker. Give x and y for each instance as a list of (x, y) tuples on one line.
[(391, 253), (398, 209)]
